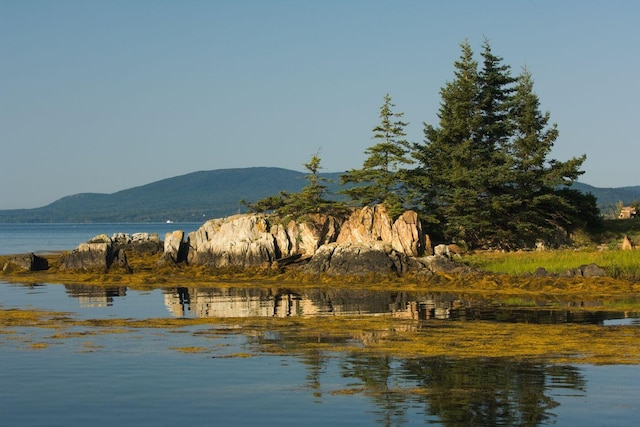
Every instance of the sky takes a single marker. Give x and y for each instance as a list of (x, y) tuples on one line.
[(101, 96)]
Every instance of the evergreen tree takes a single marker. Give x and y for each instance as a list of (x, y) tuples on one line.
[(483, 177), (449, 177), (495, 89), (312, 199), (547, 207), (381, 176)]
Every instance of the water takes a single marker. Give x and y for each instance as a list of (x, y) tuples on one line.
[(138, 377), (42, 238)]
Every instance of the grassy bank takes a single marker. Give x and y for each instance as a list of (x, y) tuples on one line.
[(601, 247), (619, 264)]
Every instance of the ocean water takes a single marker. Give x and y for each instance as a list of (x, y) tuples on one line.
[(42, 238), (138, 377)]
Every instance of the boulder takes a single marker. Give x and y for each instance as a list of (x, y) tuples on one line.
[(627, 244), (28, 262), (587, 270), (592, 270), (88, 256), (351, 259), (438, 264)]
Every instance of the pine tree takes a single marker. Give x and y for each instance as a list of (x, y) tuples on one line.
[(380, 177)]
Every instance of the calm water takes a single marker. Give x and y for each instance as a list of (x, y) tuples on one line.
[(26, 238), (137, 377)]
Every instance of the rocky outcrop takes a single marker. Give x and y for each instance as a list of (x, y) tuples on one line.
[(257, 240), (27, 262), (103, 252), (367, 242)]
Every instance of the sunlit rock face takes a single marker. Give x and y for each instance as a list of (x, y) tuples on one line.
[(407, 236), (257, 240), (240, 240), (367, 225), (175, 248), (372, 224)]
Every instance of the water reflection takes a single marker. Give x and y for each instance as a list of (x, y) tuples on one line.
[(395, 391), (489, 392), (452, 392), (95, 296), (283, 302)]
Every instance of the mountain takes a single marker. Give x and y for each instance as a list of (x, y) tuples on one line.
[(193, 197), (198, 196)]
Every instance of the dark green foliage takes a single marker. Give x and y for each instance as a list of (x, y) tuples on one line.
[(380, 180), (483, 175)]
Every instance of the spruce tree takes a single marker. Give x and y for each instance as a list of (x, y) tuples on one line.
[(548, 208), (495, 89), (381, 176), (449, 178), (483, 176)]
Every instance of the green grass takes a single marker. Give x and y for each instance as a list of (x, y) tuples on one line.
[(619, 264), (601, 247)]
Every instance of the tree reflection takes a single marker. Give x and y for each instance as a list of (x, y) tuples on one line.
[(379, 377), (460, 392)]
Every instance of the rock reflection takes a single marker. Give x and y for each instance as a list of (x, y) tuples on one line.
[(274, 302), (242, 302), (285, 302), (95, 296)]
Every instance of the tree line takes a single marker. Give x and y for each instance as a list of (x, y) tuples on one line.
[(481, 177)]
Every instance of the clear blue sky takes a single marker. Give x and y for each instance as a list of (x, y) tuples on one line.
[(101, 96)]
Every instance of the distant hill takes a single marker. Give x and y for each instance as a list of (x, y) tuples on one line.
[(198, 196), (609, 197)]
